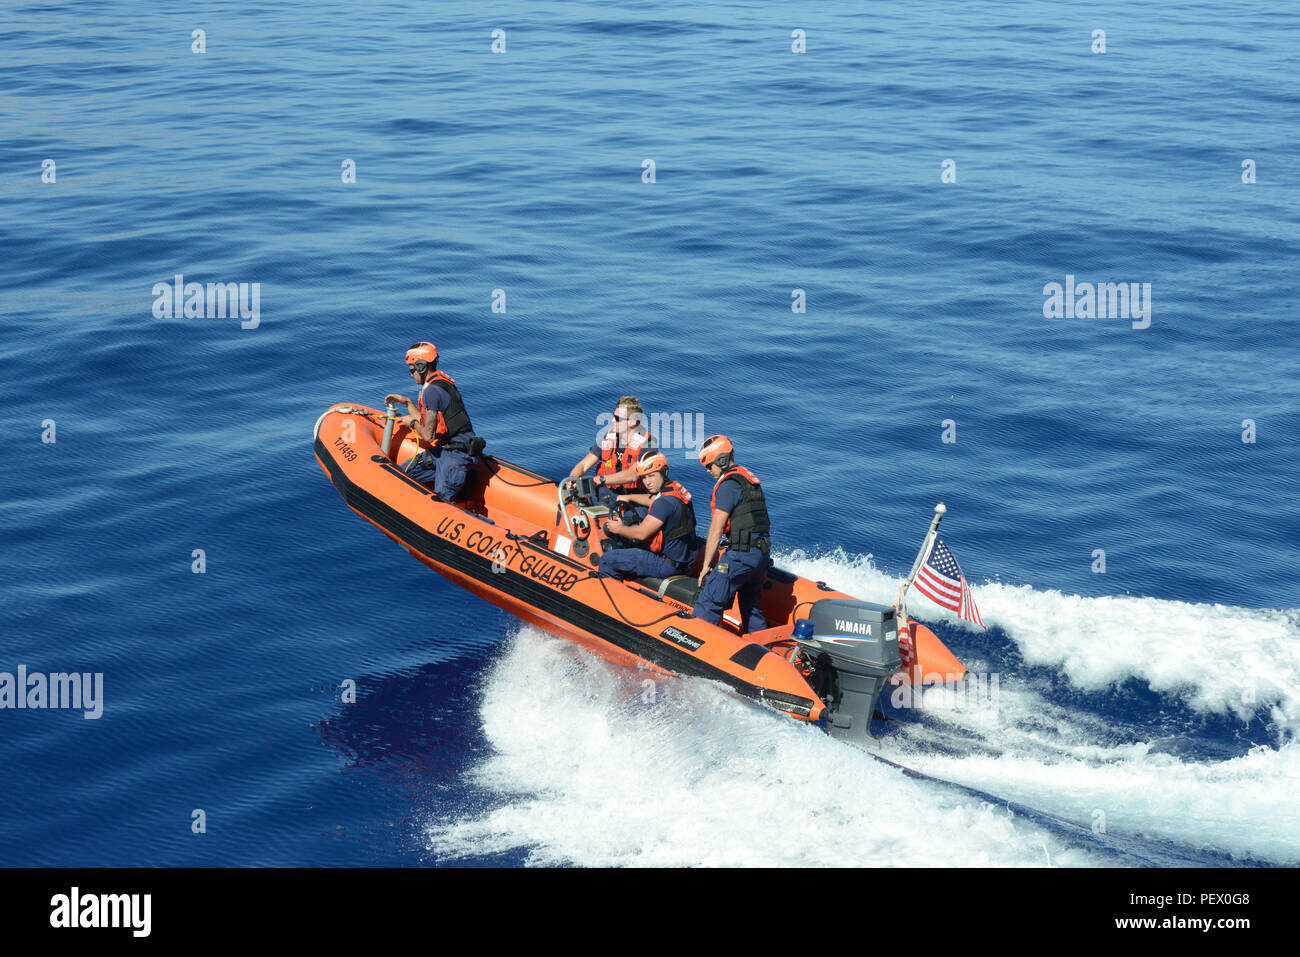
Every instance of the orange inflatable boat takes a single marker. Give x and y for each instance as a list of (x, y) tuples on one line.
[(525, 544)]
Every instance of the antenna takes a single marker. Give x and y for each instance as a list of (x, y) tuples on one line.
[(943, 479)]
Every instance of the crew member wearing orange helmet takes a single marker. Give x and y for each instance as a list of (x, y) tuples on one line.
[(616, 451), (739, 512), (439, 418), (667, 531)]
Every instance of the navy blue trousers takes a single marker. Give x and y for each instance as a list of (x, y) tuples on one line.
[(446, 469), (738, 573), (637, 563)]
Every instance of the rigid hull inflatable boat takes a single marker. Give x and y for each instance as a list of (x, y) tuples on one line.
[(525, 544)]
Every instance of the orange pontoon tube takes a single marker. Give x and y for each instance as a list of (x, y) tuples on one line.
[(531, 547)]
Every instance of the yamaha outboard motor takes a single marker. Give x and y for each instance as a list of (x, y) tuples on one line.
[(859, 640)]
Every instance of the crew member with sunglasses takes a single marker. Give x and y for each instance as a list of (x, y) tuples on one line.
[(440, 420), (616, 451)]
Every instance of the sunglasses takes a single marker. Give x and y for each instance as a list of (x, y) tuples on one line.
[(418, 367)]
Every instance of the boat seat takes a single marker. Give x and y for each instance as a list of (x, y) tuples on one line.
[(682, 588)]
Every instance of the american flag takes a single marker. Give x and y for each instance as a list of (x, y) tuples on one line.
[(940, 580), (906, 651)]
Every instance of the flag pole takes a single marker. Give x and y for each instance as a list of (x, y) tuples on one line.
[(901, 604), (939, 511)]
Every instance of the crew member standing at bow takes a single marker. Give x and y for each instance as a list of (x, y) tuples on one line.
[(668, 529), (739, 511), (440, 420)]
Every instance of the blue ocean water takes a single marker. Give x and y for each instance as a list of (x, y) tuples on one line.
[(1145, 715)]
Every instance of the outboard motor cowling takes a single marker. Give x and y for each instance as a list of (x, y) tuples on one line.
[(860, 642)]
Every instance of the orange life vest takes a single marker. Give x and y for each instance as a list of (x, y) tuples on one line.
[(612, 461), (685, 525), (454, 419)]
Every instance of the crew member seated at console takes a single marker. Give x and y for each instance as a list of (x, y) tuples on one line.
[(440, 420), (667, 533), (616, 452)]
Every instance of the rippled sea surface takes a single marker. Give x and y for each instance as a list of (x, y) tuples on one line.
[(1158, 696)]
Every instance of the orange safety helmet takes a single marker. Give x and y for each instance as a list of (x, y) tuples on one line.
[(715, 447), (422, 355), (651, 460)]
